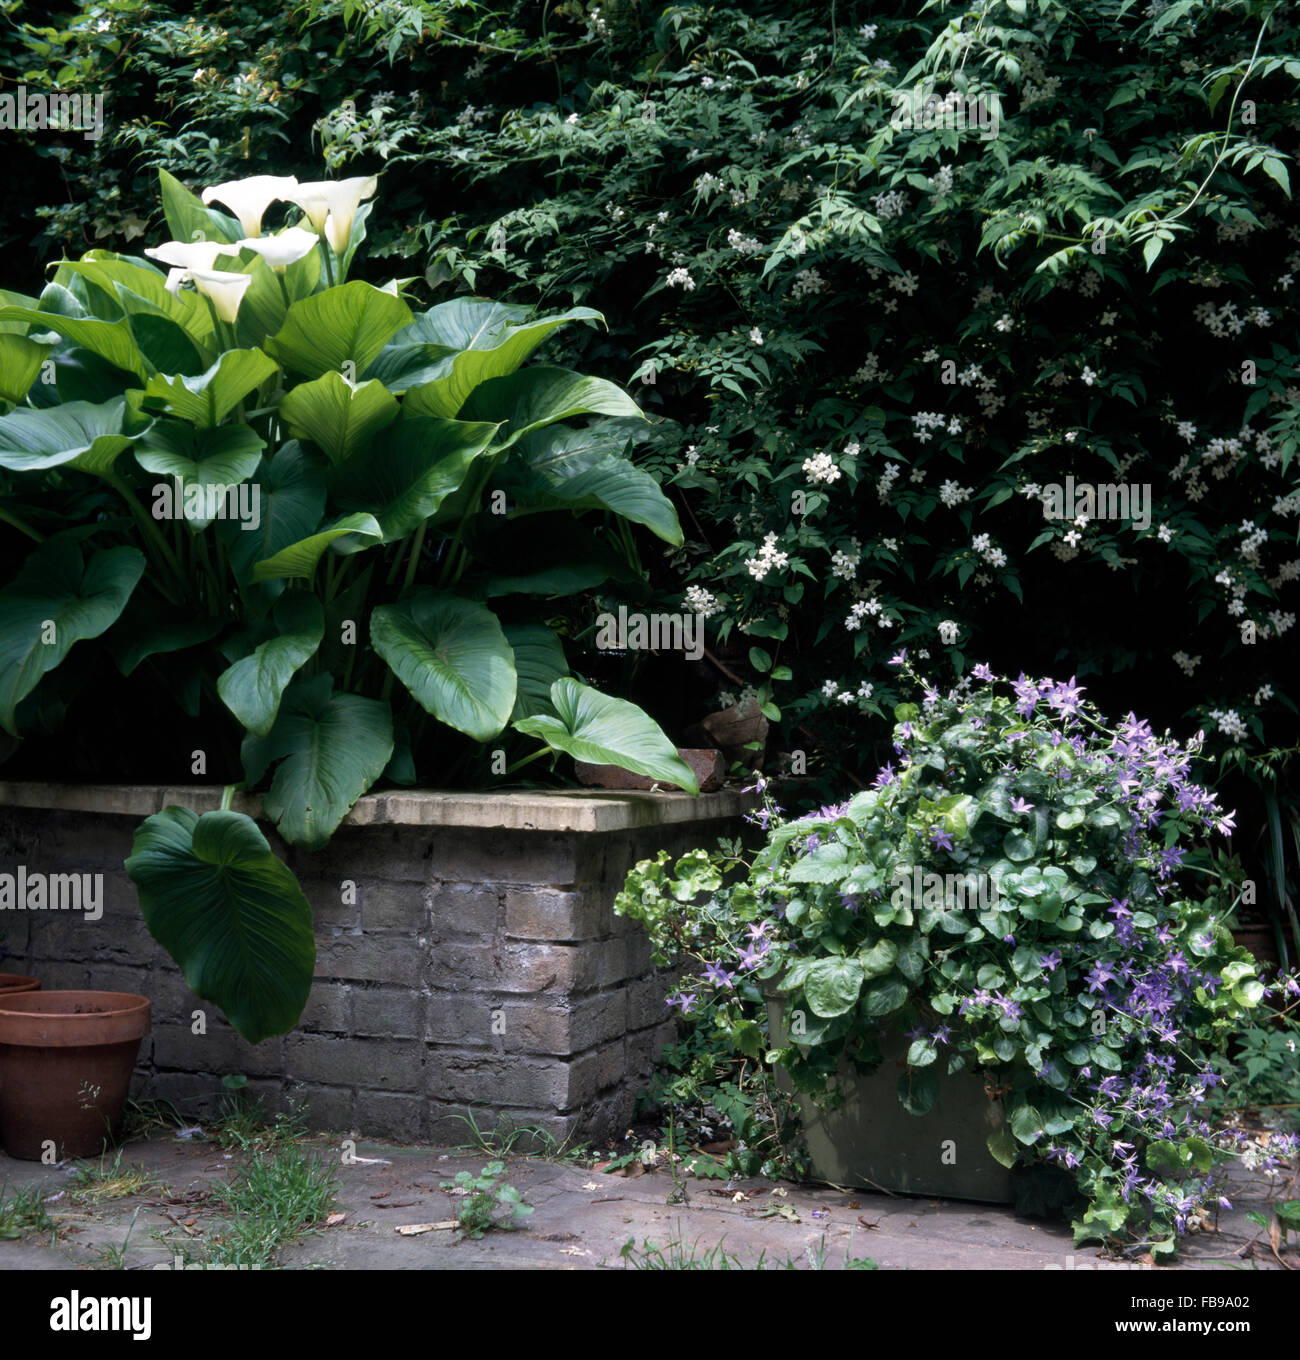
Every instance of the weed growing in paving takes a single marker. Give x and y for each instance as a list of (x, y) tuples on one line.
[(110, 1180), (22, 1214), (680, 1255), (280, 1194), (488, 1201), (527, 1139)]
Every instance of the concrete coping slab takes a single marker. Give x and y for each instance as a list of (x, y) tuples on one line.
[(546, 810)]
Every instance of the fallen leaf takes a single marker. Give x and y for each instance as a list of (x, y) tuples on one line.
[(778, 1190), (383, 1194), (727, 1145), (853, 1204), (865, 1224), (398, 1204), (740, 1197), (415, 1229), (573, 1251), (354, 1160), (591, 1185), (189, 1222), (634, 1169), (335, 1219)]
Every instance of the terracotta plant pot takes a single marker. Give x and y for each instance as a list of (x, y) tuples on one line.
[(11, 983), (66, 1060)]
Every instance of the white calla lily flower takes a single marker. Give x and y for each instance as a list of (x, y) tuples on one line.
[(190, 254), (283, 250), (331, 206), (175, 277), (249, 198), (225, 291)]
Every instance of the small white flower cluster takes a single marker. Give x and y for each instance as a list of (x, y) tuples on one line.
[(469, 116), (769, 556), (925, 422), (869, 372), (863, 609), (702, 601), (1253, 540), (1281, 622), (867, 32), (1165, 534), (941, 182), (889, 205), (1088, 376), (983, 545), (681, 278), (821, 468), (952, 495), (886, 483), (948, 631), (1186, 664), (1230, 723), (1004, 323), (1262, 694), (845, 564), (1089, 284), (746, 245), (756, 335), (806, 283), (905, 283), (1219, 321), (972, 373), (1187, 430), (707, 183)]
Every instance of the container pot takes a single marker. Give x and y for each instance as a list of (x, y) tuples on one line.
[(870, 1141), (66, 1060), (11, 983)]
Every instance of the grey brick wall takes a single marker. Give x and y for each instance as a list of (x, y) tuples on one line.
[(480, 968)]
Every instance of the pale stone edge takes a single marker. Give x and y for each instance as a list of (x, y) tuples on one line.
[(548, 810)]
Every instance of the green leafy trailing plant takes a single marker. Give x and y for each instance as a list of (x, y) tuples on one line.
[(358, 515), (1007, 896), (489, 1201)]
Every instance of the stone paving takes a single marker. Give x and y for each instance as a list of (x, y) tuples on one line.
[(583, 1218)]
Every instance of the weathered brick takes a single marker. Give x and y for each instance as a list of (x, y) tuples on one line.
[(564, 1029), (459, 909), (394, 906), (395, 959), (515, 967), (327, 1009), (327, 1108), (221, 1050), (471, 855), (646, 1001), (460, 1018), (456, 1075), (611, 1065), (392, 1116), (388, 1012), (548, 914), (329, 910), (368, 1064)]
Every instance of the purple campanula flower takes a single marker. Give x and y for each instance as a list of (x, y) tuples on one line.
[(940, 839), (718, 975), (1019, 806), (898, 659), (1050, 961), (982, 672)]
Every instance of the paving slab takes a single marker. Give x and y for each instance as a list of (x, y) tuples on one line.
[(582, 1219)]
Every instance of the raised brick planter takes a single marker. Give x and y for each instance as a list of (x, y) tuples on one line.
[(477, 963)]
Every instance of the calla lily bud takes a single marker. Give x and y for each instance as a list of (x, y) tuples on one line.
[(226, 291)]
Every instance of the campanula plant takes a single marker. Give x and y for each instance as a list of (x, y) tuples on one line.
[(1006, 894)]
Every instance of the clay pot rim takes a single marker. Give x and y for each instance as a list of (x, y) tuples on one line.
[(35, 1003), (15, 983)]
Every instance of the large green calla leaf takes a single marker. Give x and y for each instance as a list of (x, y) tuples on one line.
[(230, 913), (209, 398), (452, 656), (403, 366), (298, 560), (330, 748), (535, 397), (539, 663), (491, 340), (188, 219), (253, 687), (111, 340), (137, 284), (144, 630), (20, 362), (408, 471), (57, 600), (347, 324), (218, 458), (88, 436), (292, 503), (600, 482), (338, 416), (601, 730)]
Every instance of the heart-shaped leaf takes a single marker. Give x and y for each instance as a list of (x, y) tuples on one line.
[(331, 748), (833, 986), (598, 729), (347, 324), (209, 398), (452, 656), (90, 437), (536, 397), (339, 417), (212, 461), (252, 688), (539, 663), (231, 915), (57, 600), (299, 559)]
